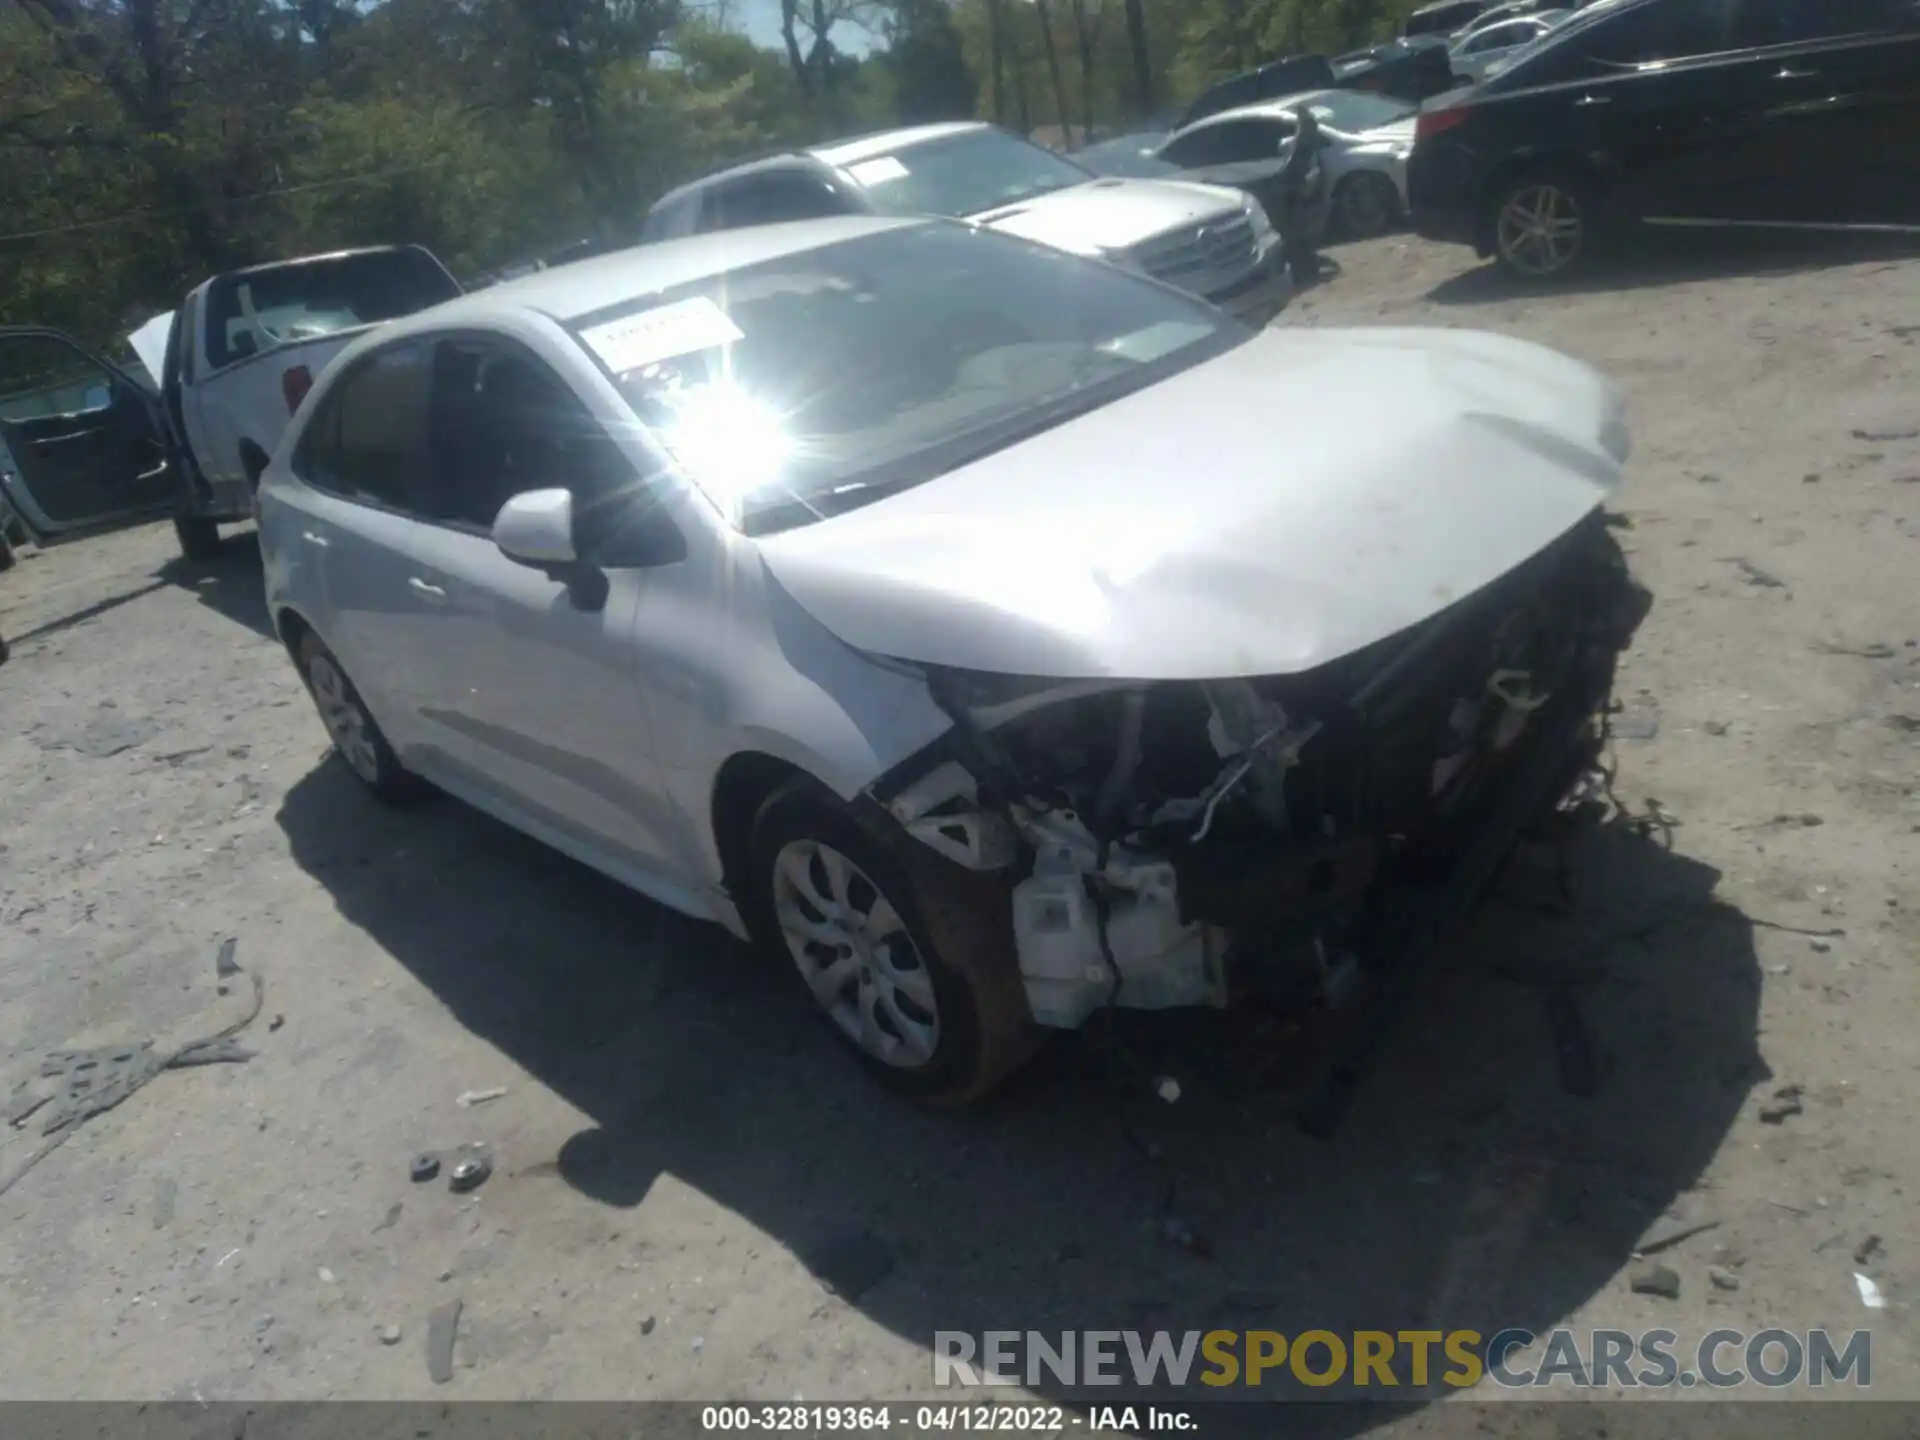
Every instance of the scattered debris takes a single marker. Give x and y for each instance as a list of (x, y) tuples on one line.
[(470, 1171), (1881, 436), (1790, 1209), (1786, 1102), (1819, 946), (1659, 1280), (1669, 1231), (166, 1190), (850, 1265), (1873, 650), (276, 1023), (1716, 727), (1766, 580), (646, 1325), (1723, 1278), (470, 1098), (1832, 933), (699, 1344), (392, 1217), (86, 1092), (1638, 719), (1906, 724), (1864, 1252), (390, 1334), (327, 1277), (1870, 1295), (1812, 477), (225, 967), (108, 733), (423, 1168), (1168, 1089), (443, 1323)]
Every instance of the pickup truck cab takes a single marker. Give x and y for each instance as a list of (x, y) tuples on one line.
[(244, 348)]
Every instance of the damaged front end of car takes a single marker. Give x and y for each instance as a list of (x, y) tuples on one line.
[(1186, 843)]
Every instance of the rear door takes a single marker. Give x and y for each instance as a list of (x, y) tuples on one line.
[(80, 443), (1836, 135), (1249, 154)]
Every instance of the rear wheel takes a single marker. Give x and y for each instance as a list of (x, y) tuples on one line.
[(908, 956), (1366, 205), (356, 738), (199, 537), (1543, 224)]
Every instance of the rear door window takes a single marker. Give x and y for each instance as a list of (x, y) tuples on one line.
[(1232, 142), (771, 198), (1791, 22), (368, 440), (253, 311)]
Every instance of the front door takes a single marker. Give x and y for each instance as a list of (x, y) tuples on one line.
[(533, 691), (80, 444)]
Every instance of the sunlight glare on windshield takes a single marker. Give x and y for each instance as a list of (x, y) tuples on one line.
[(733, 444)]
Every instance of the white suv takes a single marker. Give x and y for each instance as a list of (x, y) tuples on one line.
[(999, 635)]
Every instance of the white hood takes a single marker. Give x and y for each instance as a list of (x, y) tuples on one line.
[(1107, 215), (149, 342), (1282, 505)]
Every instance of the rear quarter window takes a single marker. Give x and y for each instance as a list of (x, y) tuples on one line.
[(252, 312)]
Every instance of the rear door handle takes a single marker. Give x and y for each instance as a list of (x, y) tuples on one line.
[(1594, 100), (71, 435), (432, 593), (1787, 72), (313, 539)]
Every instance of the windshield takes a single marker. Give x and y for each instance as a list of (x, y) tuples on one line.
[(1130, 157), (1353, 111), (797, 388), (963, 174), (252, 312)]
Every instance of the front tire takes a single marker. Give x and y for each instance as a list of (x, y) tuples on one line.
[(357, 738), (1366, 206), (908, 957), (1543, 224), (199, 537)]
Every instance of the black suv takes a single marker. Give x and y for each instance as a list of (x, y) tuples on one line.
[(1798, 113)]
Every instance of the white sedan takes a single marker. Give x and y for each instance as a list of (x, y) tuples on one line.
[(993, 635)]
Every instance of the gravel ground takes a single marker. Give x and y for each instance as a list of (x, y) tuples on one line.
[(681, 1147)]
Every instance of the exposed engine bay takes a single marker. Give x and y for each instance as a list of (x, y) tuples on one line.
[(1186, 843)]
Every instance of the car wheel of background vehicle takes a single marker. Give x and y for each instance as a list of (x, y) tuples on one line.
[(1542, 224), (908, 956), (1366, 205), (199, 537), (350, 726)]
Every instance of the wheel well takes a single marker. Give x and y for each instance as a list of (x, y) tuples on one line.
[(253, 461), (742, 786), (1518, 165)]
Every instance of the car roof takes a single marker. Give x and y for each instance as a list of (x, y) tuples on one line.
[(566, 292), (885, 142), (323, 259), (1263, 109)]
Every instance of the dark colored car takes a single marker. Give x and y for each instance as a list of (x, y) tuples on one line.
[(1411, 69), (1443, 18), (1266, 82), (1678, 112)]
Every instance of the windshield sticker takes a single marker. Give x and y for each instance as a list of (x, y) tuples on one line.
[(878, 171), (682, 328)]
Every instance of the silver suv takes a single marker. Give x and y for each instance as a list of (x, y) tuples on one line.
[(1206, 239)]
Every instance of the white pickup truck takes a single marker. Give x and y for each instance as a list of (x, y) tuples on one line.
[(241, 352), (84, 445)]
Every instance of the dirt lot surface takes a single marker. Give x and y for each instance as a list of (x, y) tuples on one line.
[(681, 1146)]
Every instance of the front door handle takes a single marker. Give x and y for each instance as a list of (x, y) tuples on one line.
[(433, 593), (313, 539), (1787, 72), (46, 440), (1594, 100)]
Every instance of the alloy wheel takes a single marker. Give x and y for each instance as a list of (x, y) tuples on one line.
[(855, 954), (344, 718), (1366, 207), (1540, 230)]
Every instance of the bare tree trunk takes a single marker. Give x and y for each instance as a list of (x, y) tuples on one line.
[(789, 32), (1053, 70), (1086, 40), (1142, 64), (997, 47)]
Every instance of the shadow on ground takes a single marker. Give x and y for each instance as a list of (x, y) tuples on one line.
[(230, 582), (1660, 257), (1465, 1189)]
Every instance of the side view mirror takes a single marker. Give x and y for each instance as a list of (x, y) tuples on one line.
[(536, 528)]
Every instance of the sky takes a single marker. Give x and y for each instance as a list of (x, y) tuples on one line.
[(761, 20)]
